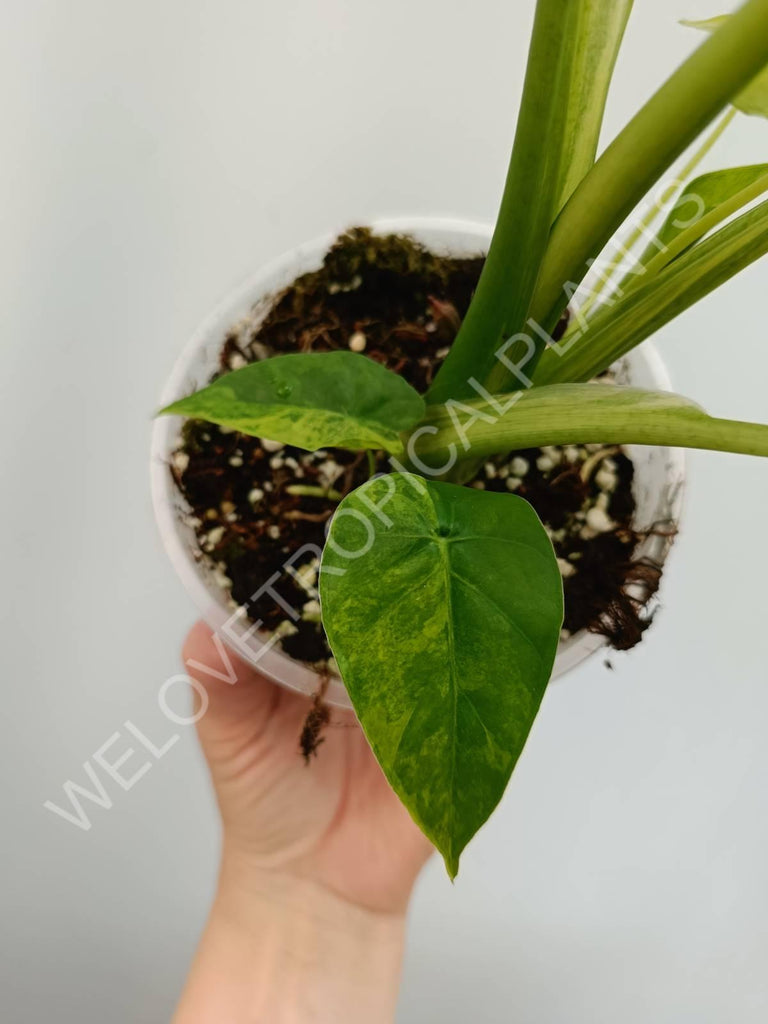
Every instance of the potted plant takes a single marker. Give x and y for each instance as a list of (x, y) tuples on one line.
[(380, 432)]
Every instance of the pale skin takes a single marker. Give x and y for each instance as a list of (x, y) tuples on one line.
[(317, 866)]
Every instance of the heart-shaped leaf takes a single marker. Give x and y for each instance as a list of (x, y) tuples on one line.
[(313, 400), (443, 608), (753, 99)]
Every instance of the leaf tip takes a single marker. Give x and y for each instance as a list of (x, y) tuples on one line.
[(174, 409), (451, 861)]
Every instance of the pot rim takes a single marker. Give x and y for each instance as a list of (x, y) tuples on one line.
[(450, 234)]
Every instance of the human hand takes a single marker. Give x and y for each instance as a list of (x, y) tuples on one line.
[(318, 859)]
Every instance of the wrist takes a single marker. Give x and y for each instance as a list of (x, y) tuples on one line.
[(282, 949)]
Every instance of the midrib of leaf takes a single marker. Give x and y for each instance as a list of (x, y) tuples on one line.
[(445, 562)]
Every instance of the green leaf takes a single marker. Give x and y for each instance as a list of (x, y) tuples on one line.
[(583, 414), (313, 400), (703, 204), (587, 350), (571, 57), (443, 608), (753, 99), (646, 147)]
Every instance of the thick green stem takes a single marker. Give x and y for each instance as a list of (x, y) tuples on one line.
[(643, 225), (572, 55), (582, 414), (718, 70), (615, 330), (528, 207)]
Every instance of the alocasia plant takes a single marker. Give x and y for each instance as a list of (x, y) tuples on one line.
[(443, 604)]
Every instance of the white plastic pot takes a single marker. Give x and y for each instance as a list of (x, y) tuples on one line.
[(658, 481)]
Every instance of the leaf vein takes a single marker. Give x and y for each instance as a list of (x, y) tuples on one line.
[(500, 611)]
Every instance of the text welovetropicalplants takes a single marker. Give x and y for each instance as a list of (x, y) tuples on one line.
[(442, 603)]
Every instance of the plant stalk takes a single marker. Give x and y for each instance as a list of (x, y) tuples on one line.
[(615, 330), (674, 116), (642, 226), (527, 209), (586, 414)]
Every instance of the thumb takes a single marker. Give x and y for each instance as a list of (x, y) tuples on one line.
[(232, 699)]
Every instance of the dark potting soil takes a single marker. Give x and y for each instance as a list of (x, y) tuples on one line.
[(257, 505)]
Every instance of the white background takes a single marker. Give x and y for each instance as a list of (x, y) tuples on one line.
[(154, 154)]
